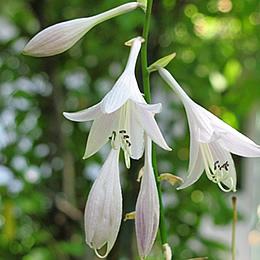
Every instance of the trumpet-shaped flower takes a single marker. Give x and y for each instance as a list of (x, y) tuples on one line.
[(211, 142), (62, 36), (122, 116), (103, 212), (147, 207)]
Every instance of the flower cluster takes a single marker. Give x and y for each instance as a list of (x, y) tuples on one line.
[(126, 121)]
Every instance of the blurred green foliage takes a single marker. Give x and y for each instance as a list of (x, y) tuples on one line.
[(45, 182)]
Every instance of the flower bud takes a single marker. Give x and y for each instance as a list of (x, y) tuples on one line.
[(147, 207), (103, 212), (62, 36)]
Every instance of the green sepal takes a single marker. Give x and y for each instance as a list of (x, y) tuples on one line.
[(161, 63)]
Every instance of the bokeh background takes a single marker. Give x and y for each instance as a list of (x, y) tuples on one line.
[(44, 182)]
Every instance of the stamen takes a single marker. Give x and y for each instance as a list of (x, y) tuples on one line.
[(217, 173), (113, 140), (220, 176), (216, 165), (119, 140), (231, 185)]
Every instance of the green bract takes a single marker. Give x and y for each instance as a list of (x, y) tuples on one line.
[(161, 63)]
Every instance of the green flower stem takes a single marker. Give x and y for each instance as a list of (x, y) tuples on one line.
[(147, 93), (233, 248)]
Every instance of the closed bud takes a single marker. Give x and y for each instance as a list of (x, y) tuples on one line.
[(62, 36), (147, 207), (103, 211)]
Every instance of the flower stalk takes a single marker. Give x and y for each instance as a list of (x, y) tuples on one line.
[(147, 94), (233, 248)]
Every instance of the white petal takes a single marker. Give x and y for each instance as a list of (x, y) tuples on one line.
[(174, 85), (153, 108), (206, 131), (136, 134), (194, 151), (147, 209), (60, 37), (84, 115), (240, 145), (232, 140), (103, 210), (118, 95), (194, 172), (126, 86), (135, 44), (193, 110), (100, 132), (146, 119)]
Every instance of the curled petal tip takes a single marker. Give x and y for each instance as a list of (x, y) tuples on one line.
[(138, 38), (169, 148), (142, 4), (99, 254)]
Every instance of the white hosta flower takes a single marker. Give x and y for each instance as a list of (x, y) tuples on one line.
[(147, 207), (62, 36), (122, 116), (103, 212), (211, 142)]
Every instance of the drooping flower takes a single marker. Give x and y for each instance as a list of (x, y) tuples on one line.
[(62, 36), (147, 206), (211, 142), (123, 115), (103, 212)]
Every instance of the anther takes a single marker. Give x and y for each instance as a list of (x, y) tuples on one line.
[(216, 164), (122, 131), (225, 166), (126, 136)]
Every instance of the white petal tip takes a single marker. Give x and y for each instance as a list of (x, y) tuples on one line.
[(86, 156), (28, 52), (67, 115), (25, 52), (35, 52), (183, 186), (167, 148)]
